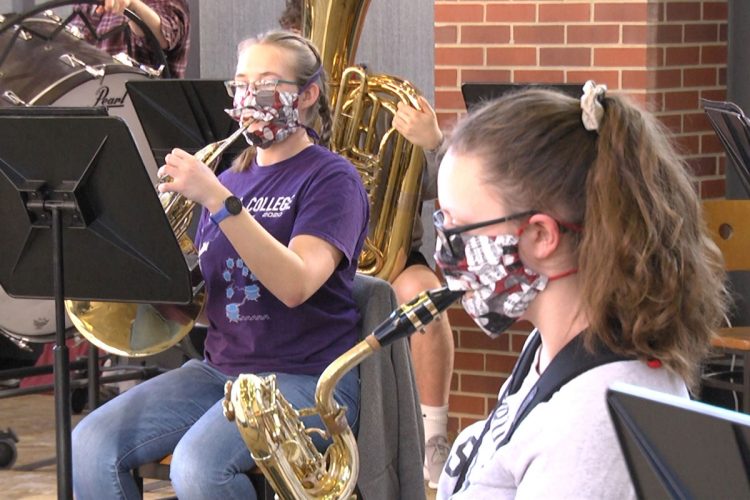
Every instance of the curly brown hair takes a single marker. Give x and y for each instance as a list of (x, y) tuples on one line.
[(291, 18), (653, 281)]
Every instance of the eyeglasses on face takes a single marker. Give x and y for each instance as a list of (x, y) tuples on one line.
[(451, 237), (259, 87)]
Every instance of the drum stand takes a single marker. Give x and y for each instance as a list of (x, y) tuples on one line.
[(74, 173)]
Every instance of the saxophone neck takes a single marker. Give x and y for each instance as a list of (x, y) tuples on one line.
[(332, 415), (404, 321)]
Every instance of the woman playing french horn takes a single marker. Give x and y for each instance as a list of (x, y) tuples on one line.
[(278, 242)]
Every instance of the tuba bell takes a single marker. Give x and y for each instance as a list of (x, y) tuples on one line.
[(363, 108), (131, 329)]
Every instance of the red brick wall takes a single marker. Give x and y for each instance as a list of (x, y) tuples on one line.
[(666, 54)]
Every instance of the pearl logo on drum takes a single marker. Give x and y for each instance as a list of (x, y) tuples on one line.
[(102, 98)]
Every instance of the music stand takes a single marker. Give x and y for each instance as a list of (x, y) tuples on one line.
[(82, 221), (475, 94), (733, 129), (678, 448), (185, 114)]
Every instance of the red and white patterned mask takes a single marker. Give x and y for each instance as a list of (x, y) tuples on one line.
[(491, 268), (278, 110)]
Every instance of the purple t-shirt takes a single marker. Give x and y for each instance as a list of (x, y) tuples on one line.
[(316, 193)]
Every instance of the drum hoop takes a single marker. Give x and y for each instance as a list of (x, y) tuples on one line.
[(55, 90), (37, 339)]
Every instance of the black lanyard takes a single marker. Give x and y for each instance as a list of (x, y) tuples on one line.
[(571, 361)]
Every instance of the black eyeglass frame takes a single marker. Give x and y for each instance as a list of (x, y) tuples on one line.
[(451, 236)]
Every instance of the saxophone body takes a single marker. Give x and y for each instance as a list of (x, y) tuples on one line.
[(132, 329), (277, 439)]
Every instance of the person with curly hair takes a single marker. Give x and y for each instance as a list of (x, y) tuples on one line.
[(579, 217)]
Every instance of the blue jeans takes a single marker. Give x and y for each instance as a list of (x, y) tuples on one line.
[(180, 412)]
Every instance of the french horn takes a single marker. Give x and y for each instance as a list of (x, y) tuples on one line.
[(132, 329)]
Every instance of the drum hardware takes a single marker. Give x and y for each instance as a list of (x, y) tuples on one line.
[(12, 98), (73, 30), (129, 61), (73, 62), (24, 35), (19, 342), (46, 71), (50, 14)]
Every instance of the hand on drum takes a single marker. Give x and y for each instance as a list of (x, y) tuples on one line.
[(185, 174), (113, 6)]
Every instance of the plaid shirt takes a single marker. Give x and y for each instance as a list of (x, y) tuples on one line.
[(175, 26)]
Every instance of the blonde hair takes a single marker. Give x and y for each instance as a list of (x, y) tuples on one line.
[(306, 62), (653, 282)]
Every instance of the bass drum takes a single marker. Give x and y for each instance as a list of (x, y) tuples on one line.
[(30, 320), (47, 64)]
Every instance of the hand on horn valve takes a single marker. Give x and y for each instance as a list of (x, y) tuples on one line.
[(183, 173)]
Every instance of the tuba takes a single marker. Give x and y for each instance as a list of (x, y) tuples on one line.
[(363, 108), (277, 439), (130, 329)]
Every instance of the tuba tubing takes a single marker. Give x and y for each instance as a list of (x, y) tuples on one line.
[(390, 166), (363, 106), (277, 439), (134, 330)]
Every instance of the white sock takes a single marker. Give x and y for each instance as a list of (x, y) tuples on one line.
[(435, 420)]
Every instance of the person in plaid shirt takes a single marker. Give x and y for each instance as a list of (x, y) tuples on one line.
[(169, 20)]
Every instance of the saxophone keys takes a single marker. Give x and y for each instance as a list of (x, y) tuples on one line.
[(226, 404)]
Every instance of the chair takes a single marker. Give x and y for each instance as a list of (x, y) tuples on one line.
[(389, 412), (729, 224)]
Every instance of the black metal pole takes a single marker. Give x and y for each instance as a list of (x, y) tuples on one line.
[(93, 377), (61, 370)]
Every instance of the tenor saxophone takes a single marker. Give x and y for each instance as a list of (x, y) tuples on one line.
[(277, 439)]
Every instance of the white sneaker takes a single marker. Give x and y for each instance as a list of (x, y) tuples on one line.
[(435, 455)]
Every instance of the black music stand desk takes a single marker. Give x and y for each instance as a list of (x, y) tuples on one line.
[(477, 93), (185, 114), (733, 129), (81, 221), (678, 448)]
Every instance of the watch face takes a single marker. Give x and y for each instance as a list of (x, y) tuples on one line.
[(233, 204)]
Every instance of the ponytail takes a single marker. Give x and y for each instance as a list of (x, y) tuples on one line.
[(653, 280)]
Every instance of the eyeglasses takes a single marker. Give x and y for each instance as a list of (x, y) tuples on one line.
[(451, 237), (262, 89)]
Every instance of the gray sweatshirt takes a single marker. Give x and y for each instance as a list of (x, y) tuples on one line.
[(565, 448)]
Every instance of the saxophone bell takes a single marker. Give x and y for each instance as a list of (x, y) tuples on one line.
[(275, 435)]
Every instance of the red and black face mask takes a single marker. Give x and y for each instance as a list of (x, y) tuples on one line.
[(491, 268)]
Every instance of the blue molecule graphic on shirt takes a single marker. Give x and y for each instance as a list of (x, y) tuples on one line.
[(237, 295)]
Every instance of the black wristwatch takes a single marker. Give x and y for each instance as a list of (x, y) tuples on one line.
[(232, 206)]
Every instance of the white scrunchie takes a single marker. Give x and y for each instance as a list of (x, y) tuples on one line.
[(592, 109)]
